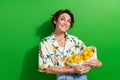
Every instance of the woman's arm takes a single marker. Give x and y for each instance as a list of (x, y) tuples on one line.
[(94, 63), (59, 70)]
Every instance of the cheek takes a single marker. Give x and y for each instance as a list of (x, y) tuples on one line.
[(59, 22), (69, 24)]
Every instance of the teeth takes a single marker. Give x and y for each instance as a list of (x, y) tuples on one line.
[(64, 26)]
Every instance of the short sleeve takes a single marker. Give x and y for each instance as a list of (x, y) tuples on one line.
[(44, 58)]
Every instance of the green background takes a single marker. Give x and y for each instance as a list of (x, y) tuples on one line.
[(23, 23)]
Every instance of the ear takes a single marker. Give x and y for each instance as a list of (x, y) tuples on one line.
[(54, 22)]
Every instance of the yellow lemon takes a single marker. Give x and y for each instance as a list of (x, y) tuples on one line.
[(76, 59), (81, 57), (81, 60), (84, 53), (72, 61), (74, 55), (42, 67), (86, 58), (53, 47), (89, 49), (69, 59), (91, 53)]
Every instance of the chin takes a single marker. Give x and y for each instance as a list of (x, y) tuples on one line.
[(63, 30)]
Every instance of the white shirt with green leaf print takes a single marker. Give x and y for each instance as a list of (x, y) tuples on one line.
[(50, 53)]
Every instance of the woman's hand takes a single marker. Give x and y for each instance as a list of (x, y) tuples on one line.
[(93, 63), (81, 69)]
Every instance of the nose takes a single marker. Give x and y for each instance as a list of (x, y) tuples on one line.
[(66, 22)]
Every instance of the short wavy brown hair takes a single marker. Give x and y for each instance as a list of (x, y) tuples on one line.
[(58, 13)]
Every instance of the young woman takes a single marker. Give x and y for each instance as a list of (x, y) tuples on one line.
[(55, 48)]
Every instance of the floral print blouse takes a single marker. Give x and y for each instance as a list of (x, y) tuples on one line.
[(51, 55)]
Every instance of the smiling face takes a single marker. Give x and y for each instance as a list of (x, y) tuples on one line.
[(63, 22)]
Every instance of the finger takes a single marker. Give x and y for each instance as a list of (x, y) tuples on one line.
[(85, 71), (79, 67), (87, 63)]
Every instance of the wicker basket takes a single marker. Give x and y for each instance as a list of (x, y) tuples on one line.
[(87, 54)]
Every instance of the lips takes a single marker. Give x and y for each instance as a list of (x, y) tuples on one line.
[(64, 27)]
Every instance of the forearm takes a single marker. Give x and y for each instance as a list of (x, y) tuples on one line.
[(94, 63), (59, 70)]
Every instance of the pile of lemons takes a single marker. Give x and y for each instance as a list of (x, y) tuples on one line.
[(84, 56)]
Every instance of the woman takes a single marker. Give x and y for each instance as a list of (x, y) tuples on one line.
[(55, 48)]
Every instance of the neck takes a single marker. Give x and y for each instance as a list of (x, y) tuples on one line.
[(59, 35)]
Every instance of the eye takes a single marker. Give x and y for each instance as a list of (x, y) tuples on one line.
[(69, 21), (62, 19)]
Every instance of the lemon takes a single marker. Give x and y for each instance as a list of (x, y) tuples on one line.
[(72, 61), (74, 55), (90, 53), (69, 59), (86, 58), (42, 67), (81, 60), (89, 49), (76, 59), (84, 53)]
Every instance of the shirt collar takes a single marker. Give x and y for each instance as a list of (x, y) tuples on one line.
[(68, 43)]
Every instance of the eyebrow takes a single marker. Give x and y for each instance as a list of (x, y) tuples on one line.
[(64, 17)]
